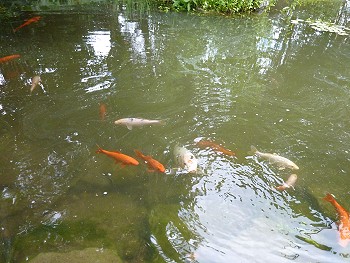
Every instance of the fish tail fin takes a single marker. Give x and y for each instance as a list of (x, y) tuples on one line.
[(99, 150), (139, 153), (253, 149), (162, 122), (329, 198)]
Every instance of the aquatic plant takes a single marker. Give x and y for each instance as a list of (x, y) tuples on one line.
[(221, 6)]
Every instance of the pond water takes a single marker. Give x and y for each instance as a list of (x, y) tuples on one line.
[(257, 80)]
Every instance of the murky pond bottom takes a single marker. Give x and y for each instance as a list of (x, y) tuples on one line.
[(237, 82)]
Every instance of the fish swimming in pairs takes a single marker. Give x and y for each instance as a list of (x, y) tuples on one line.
[(344, 220), (185, 159), (280, 161), (29, 21), (153, 164), (137, 122), (215, 147), (35, 81), (119, 157), (289, 183), (7, 58), (103, 110)]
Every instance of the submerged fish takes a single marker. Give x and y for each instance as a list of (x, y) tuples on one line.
[(137, 122), (29, 21), (344, 220), (103, 110), (185, 159), (289, 183), (119, 157), (215, 147), (153, 164), (280, 161), (7, 58), (35, 81)]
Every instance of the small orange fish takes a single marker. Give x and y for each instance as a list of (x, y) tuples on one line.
[(344, 220), (7, 58), (102, 111), (215, 147), (119, 157), (29, 21), (153, 164)]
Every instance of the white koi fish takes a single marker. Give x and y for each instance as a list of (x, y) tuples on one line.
[(280, 161), (137, 122), (289, 183), (35, 81), (185, 159)]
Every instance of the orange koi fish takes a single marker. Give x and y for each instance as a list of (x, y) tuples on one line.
[(102, 111), (7, 58), (153, 164), (29, 21), (344, 220), (119, 157), (289, 183), (215, 147)]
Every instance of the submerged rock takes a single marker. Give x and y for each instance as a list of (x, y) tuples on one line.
[(88, 255)]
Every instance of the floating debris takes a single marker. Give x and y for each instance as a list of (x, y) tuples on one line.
[(322, 26)]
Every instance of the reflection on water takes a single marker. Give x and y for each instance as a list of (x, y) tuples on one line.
[(237, 81)]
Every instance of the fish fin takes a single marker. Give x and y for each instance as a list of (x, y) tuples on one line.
[(99, 150), (162, 122), (138, 153), (328, 198), (129, 127), (281, 168), (253, 149)]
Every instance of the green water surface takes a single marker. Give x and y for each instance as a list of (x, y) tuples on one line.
[(256, 80)]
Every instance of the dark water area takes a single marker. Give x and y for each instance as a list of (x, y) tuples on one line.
[(265, 80)]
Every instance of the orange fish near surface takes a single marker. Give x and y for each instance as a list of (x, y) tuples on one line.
[(153, 164), (344, 220), (29, 21), (7, 58), (215, 147), (119, 157), (102, 111)]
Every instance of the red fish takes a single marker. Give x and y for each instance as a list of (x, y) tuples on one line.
[(344, 220), (119, 157), (7, 58), (215, 147), (153, 164), (102, 111), (29, 21)]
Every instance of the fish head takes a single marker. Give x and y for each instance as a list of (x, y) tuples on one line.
[(293, 166), (120, 121), (190, 163)]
